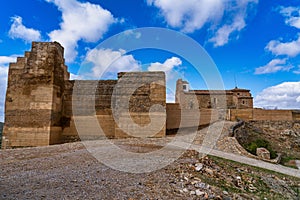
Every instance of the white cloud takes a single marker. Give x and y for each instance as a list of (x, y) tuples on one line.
[(167, 66), (75, 77), (191, 15), (297, 71), (107, 63), (291, 49), (284, 96), (134, 33), (273, 66), (223, 34), (292, 16), (80, 21), (4, 61), (18, 30), (171, 74)]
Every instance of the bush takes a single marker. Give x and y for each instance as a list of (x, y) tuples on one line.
[(252, 146)]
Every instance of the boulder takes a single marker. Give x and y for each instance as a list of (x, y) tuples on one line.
[(263, 153)]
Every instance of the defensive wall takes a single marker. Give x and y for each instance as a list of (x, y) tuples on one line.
[(44, 107), (262, 115)]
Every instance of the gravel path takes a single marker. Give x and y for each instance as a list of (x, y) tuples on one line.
[(69, 171)]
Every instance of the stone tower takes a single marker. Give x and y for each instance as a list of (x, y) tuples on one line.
[(34, 98)]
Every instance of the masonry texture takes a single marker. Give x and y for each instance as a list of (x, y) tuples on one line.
[(36, 85), (44, 107), (232, 99)]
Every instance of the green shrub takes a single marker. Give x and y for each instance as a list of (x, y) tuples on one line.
[(258, 143)]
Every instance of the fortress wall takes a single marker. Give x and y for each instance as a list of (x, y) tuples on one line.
[(273, 115), (33, 99), (93, 100), (90, 99), (43, 106), (185, 118), (146, 92), (173, 116), (244, 114), (260, 115), (194, 101)]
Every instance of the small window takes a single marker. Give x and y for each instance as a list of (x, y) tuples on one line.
[(238, 93), (184, 87), (243, 102)]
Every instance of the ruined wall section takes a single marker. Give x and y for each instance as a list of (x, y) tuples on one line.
[(89, 103), (92, 99), (33, 107)]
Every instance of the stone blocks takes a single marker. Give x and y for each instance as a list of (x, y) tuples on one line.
[(34, 97), (44, 107), (263, 153)]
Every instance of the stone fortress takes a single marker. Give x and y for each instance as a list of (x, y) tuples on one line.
[(235, 99), (42, 105)]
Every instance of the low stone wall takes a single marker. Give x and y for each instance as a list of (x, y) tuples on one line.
[(260, 115), (276, 126), (272, 115), (186, 118)]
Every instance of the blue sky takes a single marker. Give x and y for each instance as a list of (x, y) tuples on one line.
[(256, 41)]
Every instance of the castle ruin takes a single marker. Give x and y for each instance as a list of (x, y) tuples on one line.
[(44, 107), (40, 100), (236, 98)]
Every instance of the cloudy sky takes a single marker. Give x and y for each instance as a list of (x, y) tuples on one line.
[(254, 43)]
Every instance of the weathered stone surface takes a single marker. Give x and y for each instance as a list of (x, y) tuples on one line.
[(190, 99), (41, 102), (263, 153), (36, 84)]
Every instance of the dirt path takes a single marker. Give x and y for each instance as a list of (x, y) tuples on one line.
[(69, 171)]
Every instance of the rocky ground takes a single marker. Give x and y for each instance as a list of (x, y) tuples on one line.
[(69, 171), (284, 138)]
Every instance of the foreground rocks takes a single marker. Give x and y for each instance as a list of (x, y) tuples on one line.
[(68, 171)]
